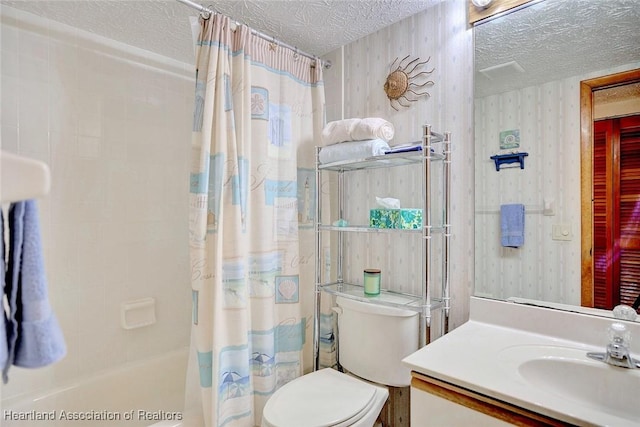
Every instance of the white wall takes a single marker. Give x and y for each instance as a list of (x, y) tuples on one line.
[(113, 123), (548, 117), (354, 88)]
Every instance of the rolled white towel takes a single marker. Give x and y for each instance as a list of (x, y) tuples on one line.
[(372, 128), (338, 131), (357, 130), (353, 150)]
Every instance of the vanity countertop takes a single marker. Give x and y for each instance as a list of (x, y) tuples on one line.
[(487, 353)]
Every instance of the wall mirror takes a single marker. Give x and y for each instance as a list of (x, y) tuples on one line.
[(529, 65)]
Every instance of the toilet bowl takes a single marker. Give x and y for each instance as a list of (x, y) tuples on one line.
[(325, 398), (373, 341)]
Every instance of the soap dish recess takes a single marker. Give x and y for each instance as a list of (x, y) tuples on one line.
[(138, 313)]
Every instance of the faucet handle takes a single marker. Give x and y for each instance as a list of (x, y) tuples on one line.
[(624, 312), (617, 351), (619, 334)]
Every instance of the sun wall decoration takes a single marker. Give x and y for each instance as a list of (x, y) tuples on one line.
[(402, 81)]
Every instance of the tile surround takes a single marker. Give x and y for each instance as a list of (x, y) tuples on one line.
[(113, 122)]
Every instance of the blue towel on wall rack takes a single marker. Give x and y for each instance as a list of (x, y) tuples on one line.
[(33, 334), (512, 225)]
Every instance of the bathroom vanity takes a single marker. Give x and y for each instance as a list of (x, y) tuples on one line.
[(519, 364)]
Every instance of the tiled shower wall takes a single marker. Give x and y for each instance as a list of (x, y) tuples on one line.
[(354, 88), (113, 123)]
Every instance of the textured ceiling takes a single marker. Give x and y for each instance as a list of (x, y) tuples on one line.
[(162, 26), (552, 39), (555, 39)]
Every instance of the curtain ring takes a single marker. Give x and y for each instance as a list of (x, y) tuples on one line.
[(296, 56), (206, 13)]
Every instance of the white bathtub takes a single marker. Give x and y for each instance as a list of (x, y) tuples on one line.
[(150, 392)]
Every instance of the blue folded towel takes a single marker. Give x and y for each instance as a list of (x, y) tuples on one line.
[(34, 336), (512, 225), (4, 351)]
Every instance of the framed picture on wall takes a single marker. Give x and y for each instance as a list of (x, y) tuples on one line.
[(510, 139)]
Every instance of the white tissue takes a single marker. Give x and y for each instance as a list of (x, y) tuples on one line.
[(388, 202)]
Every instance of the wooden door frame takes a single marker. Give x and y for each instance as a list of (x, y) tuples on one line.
[(587, 87)]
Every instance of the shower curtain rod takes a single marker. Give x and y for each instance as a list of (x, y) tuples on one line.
[(202, 9)]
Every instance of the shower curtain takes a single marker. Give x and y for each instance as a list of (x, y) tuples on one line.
[(258, 110)]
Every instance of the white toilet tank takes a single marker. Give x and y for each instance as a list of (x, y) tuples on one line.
[(373, 340)]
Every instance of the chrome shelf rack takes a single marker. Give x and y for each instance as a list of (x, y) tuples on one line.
[(424, 303)]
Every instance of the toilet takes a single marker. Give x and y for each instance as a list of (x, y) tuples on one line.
[(373, 340)]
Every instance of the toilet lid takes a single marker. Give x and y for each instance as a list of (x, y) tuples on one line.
[(320, 399)]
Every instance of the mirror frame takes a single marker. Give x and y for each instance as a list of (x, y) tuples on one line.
[(496, 7)]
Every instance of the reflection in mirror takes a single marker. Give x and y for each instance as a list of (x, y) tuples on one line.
[(528, 69)]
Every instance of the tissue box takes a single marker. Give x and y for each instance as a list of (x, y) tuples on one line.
[(410, 219), (384, 218), (395, 218)]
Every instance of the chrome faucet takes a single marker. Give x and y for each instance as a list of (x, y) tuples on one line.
[(617, 351)]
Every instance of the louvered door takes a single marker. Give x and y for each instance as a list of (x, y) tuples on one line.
[(602, 234), (616, 211)]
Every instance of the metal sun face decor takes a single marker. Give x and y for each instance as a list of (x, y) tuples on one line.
[(401, 81)]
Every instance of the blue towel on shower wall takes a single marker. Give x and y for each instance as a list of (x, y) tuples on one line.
[(4, 351), (512, 225), (34, 336)]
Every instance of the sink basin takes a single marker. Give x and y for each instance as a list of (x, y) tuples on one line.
[(569, 375), (603, 387)]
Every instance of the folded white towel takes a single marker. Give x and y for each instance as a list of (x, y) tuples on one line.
[(357, 130), (353, 150)]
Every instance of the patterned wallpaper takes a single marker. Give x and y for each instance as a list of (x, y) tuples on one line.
[(548, 119), (354, 88)]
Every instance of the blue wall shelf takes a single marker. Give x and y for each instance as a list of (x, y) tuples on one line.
[(502, 159)]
